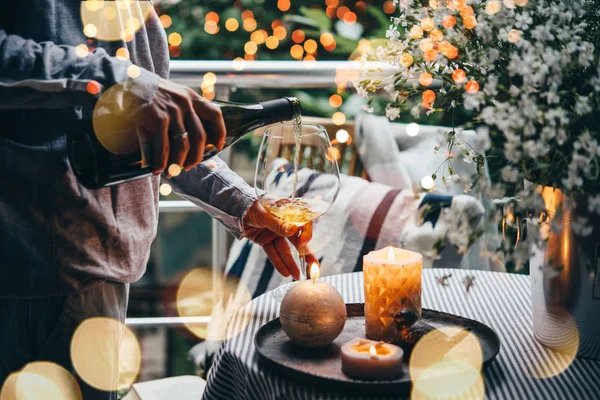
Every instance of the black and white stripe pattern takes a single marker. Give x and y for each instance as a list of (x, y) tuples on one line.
[(499, 300)]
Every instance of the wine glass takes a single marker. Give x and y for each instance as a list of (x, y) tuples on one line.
[(297, 177)]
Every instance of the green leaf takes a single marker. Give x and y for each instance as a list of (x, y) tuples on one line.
[(318, 16), (301, 20)]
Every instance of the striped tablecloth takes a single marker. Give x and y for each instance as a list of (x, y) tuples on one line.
[(499, 300)]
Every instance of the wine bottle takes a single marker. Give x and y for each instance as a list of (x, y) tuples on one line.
[(96, 167)]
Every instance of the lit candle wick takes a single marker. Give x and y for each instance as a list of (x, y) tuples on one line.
[(373, 352), (314, 271), (391, 255)]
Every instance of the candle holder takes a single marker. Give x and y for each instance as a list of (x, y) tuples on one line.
[(392, 287)]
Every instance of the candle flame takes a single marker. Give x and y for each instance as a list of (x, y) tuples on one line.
[(372, 351), (315, 272), (391, 254)]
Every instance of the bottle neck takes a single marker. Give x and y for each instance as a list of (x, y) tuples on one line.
[(280, 110)]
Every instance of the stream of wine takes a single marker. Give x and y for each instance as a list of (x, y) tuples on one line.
[(298, 139)]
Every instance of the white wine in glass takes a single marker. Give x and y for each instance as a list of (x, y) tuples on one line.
[(297, 177)]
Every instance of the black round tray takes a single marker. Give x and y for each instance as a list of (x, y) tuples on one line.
[(323, 367)]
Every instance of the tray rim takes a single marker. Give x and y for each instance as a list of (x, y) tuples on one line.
[(370, 386)]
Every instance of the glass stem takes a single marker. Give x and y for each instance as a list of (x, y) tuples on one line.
[(303, 272)]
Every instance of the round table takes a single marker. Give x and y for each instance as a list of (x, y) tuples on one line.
[(500, 300)]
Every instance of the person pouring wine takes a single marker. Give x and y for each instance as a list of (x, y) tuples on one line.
[(69, 253)]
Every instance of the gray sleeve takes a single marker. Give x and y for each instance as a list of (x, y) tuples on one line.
[(46, 75), (218, 190)]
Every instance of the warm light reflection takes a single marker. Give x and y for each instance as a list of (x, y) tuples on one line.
[(105, 354), (201, 293)]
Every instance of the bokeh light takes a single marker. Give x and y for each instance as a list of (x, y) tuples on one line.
[(238, 64), (338, 118), (280, 32), (436, 35), (429, 96), (297, 51), (425, 79), (341, 12), (449, 380), (165, 189), (509, 3), (335, 100), (333, 154), (493, 7), (309, 62), (427, 182), (426, 45), (209, 78), (412, 129), (521, 3), (406, 60), (122, 54), (166, 21), (106, 354), (115, 20), (564, 336), (430, 55), (342, 136), (472, 86), (350, 18), (283, 5), (298, 36), (459, 76), (327, 39), (310, 46), (416, 32), (514, 36), (259, 37), (200, 293), (470, 22), (211, 27), (212, 16), (93, 87), (82, 50), (133, 71), (232, 24), (246, 14), (175, 39), (250, 47), (249, 24), (427, 24), (41, 380), (389, 7), (272, 42), (449, 21)]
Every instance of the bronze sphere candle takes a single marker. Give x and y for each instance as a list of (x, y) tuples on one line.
[(313, 312)]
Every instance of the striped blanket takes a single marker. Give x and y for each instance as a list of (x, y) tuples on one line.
[(366, 216)]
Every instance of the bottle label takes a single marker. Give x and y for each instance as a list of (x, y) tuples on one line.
[(596, 291)]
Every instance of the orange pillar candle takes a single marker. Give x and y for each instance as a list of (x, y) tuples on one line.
[(392, 284)]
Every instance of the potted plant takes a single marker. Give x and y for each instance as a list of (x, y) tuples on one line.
[(528, 72)]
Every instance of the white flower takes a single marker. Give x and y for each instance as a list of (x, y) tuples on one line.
[(510, 174), (581, 226), (594, 204), (392, 112)]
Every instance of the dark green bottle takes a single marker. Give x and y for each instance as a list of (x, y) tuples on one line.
[(96, 167)]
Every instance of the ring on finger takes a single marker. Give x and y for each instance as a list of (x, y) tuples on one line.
[(181, 136)]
